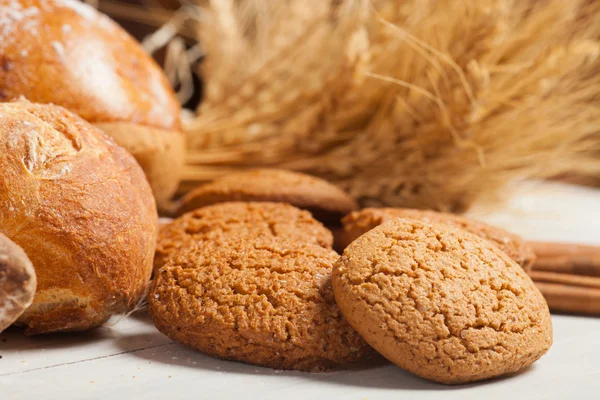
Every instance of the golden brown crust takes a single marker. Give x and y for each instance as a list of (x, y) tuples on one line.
[(66, 53), (326, 202), (160, 153), (85, 63), (235, 219), (360, 222), (17, 282), (80, 207), (265, 301), (441, 302)]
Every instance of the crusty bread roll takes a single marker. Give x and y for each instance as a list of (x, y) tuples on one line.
[(65, 52), (17, 282), (81, 208)]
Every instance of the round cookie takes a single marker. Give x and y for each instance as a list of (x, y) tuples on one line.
[(265, 301), (237, 218), (359, 222), (325, 201), (441, 303)]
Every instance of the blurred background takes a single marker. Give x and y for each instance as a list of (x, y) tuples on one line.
[(416, 103)]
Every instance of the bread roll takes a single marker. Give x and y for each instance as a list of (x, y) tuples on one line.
[(17, 282), (81, 208), (65, 52)]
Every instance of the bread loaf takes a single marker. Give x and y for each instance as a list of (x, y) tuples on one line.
[(65, 52), (17, 282), (81, 208)]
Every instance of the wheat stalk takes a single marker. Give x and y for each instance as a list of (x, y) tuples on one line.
[(418, 103)]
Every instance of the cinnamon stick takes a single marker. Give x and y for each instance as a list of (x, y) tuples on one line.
[(568, 275), (565, 279), (566, 258), (572, 299)]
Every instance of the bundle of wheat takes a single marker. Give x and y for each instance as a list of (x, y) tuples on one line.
[(419, 103)]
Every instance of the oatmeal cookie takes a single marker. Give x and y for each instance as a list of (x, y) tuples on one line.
[(265, 301), (359, 222), (325, 201), (441, 302), (237, 218)]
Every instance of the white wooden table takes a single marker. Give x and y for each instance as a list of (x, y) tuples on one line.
[(130, 359)]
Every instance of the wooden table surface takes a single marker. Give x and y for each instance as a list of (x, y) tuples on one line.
[(130, 359)]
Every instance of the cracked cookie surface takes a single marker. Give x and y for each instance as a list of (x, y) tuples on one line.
[(359, 222), (239, 219), (263, 301), (324, 200), (441, 303)]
